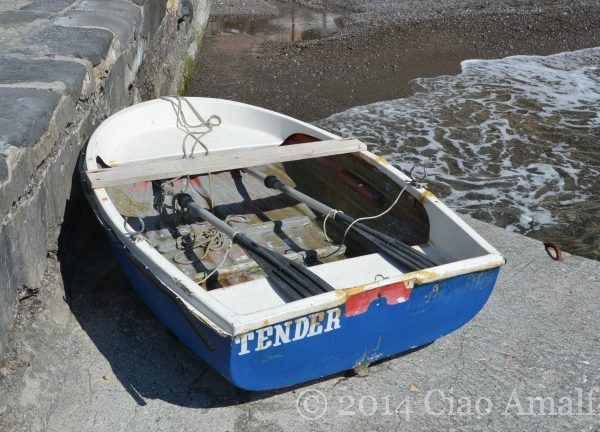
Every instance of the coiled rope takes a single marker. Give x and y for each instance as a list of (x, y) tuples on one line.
[(210, 240), (207, 237), (191, 132), (190, 129)]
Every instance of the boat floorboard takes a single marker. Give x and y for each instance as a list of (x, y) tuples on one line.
[(265, 215)]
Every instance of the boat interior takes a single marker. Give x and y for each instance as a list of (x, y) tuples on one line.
[(269, 217), (355, 182)]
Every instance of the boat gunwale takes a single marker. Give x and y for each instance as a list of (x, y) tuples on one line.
[(223, 320)]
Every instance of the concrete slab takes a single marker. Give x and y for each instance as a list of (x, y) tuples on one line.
[(105, 363), (86, 43), (14, 70), (25, 115)]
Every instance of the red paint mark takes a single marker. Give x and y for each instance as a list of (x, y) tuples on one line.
[(359, 186), (139, 187), (195, 181), (299, 138), (394, 293)]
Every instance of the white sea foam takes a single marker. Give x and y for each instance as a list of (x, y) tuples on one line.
[(510, 140)]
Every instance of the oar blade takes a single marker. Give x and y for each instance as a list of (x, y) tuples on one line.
[(292, 280), (395, 246)]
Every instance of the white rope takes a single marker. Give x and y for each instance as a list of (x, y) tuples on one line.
[(333, 213), (228, 219), (183, 124), (208, 276), (374, 217), (208, 237), (211, 239), (213, 121)]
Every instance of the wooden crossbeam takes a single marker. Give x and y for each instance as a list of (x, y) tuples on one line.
[(219, 161)]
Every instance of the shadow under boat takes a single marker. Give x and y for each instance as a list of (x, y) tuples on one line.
[(145, 357)]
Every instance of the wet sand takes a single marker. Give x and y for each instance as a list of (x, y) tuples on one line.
[(376, 53)]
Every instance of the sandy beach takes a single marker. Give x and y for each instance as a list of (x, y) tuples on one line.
[(377, 52)]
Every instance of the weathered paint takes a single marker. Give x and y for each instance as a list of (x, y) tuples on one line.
[(425, 195), (431, 311), (139, 187), (395, 293), (380, 160), (271, 336), (441, 300)]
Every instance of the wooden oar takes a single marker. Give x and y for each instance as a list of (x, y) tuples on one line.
[(388, 246), (295, 282)]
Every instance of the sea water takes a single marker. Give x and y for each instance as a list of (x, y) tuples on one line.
[(515, 142)]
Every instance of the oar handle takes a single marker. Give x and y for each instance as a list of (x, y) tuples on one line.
[(272, 182), (186, 201), (386, 245)]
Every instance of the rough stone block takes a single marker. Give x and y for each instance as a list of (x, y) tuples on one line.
[(48, 5), (87, 43), (25, 115), (129, 10), (14, 23), (3, 169), (153, 16), (20, 17), (123, 25), (15, 70), (45, 119)]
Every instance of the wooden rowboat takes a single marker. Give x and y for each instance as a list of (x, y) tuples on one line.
[(241, 230)]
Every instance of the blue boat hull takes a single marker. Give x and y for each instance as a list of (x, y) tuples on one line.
[(284, 354)]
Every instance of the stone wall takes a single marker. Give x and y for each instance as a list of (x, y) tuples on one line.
[(66, 65)]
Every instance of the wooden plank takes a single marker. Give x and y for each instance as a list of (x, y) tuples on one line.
[(220, 161)]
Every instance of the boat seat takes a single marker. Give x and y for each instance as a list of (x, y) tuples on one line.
[(165, 168), (257, 295)]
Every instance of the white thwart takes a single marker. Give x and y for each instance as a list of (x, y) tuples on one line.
[(339, 274)]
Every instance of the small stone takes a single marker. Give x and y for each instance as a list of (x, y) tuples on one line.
[(108, 377), (414, 389)]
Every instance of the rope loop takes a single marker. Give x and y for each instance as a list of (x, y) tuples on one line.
[(191, 129), (333, 213)]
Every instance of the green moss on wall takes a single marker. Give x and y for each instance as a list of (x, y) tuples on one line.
[(187, 69)]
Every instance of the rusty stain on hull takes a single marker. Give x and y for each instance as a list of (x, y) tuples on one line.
[(380, 159), (425, 195)]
